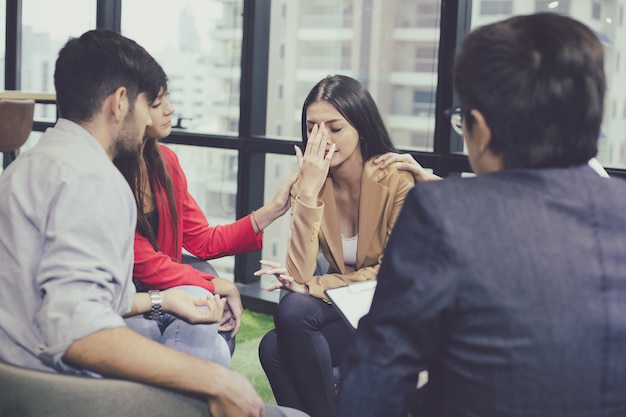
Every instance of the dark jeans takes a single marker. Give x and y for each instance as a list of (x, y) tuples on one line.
[(299, 354)]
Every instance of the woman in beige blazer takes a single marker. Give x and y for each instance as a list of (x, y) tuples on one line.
[(344, 207)]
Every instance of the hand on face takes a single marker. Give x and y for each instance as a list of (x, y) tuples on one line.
[(314, 163)]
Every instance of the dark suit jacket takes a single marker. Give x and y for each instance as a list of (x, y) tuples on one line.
[(510, 290)]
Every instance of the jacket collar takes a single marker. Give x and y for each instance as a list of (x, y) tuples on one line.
[(373, 199)]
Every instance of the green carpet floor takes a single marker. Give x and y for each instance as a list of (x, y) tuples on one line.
[(246, 357)]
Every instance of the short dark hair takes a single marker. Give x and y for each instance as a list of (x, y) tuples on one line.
[(355, 103), (539, 82), (91, 67)]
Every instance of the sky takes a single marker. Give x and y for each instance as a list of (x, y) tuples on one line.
[(155, 18)]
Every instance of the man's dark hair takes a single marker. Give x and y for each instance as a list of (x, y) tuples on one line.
[(539, 82), (91, 67)]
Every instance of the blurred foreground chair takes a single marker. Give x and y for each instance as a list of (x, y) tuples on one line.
[(29, 393), (16, 123)]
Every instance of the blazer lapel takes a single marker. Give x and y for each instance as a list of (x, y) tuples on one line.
[(372, 203), (330, 231)]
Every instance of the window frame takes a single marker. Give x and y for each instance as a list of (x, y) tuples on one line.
[(252, 143)]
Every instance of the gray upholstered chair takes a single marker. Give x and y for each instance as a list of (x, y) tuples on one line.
[(16, 123), (28, 393)]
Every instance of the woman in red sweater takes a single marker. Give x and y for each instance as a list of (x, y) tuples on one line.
[(169, 219)]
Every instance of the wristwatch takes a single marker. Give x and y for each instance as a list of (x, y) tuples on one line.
[(156, 311)]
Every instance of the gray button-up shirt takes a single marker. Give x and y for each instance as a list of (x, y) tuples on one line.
[(67, 222)]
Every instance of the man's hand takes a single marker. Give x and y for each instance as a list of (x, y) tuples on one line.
[(236, 398)]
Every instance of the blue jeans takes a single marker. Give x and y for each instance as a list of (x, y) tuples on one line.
[(200, 340)]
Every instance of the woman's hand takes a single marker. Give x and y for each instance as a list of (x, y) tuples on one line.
[(228, 322), (284, 280), (405, 162), (229, 292), (314, 164), (278, 206), (185, 306)]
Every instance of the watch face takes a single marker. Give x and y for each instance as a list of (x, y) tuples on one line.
[(155, 309)]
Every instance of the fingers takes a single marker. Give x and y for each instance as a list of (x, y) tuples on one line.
[(330, 153), (271, 271), (273, 287), (317, 141), (391, 157), (299, 156), (311, 139), (271, 264)]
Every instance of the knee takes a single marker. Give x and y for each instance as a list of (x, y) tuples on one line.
[(268, 349), (292, 310), (221, 353)]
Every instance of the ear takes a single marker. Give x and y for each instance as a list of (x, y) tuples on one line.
[(484, 159), (481, 132), (119, 104)]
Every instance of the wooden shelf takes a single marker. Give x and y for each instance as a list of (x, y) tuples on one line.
[(46, 98)]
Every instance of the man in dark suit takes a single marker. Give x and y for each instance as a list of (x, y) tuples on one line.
[(504, 295)]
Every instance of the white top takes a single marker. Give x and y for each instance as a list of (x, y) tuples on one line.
[(67, 223), (349, 249)]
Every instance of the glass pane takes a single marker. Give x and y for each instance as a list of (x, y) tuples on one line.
[(3, 20), (391, 46), (44, 32), (198, 43), (606, 18), (214, 188), (276, 235)]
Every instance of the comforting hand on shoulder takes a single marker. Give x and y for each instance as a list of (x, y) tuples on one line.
[(405, 162)]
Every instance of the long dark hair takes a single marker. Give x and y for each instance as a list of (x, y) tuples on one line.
[(355, 103), (158, 178)]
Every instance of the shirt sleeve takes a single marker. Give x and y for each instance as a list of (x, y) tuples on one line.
[(210, 242), (156, 270), (85, 273), (198, 237)]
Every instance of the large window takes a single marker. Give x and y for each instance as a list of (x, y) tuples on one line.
[(198, 43), (43, 37), (3, 19), (391, 46), (45, 29)]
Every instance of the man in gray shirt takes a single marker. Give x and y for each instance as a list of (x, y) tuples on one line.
[(67, 222)]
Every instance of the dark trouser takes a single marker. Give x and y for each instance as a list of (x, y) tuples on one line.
[(299, 354)]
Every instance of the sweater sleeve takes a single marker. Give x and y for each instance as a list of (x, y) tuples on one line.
[(156, 270), (209, 242), (198, 237)]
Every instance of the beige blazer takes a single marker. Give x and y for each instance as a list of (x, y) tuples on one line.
[(315, 228)]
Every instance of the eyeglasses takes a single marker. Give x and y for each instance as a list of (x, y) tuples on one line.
[(456, 119)]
